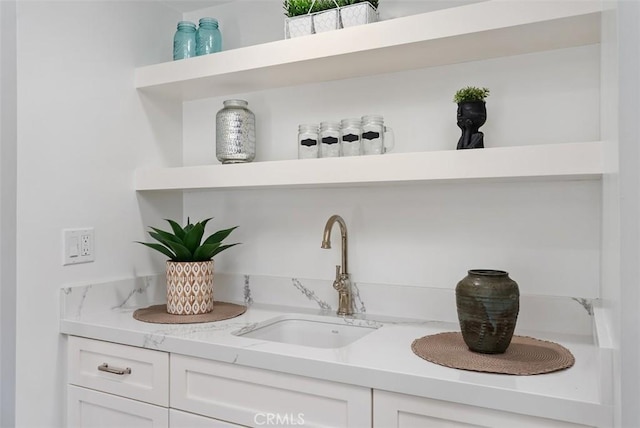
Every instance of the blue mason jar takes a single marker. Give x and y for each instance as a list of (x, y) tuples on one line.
[(208, 37), (184, 41)]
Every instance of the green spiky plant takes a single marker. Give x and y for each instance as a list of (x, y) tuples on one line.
[(185, 244), (470, 93)]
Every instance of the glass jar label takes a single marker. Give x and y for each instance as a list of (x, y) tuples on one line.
[(370, 135), (309, 142), (329, 140)]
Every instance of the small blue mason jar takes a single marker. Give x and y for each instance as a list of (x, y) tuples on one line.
[(208, 37), (184, 41)]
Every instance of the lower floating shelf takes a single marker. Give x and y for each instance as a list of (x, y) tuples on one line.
[(568, 161)]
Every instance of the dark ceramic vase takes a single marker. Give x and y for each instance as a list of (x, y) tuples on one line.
[(471, 116), (488, 302)]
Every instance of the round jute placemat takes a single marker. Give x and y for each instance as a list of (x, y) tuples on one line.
[(158, 314), (524, 356)]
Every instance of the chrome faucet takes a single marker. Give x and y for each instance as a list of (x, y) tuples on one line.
[(342, 282)]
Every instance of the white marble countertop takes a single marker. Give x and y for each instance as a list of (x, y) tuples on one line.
[(382, 359)]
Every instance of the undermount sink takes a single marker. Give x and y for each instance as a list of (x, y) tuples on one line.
[(305, 330)]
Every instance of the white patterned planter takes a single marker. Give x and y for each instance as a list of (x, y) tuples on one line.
[(326, 21), (189, 287), (358, 14), (298, 26)]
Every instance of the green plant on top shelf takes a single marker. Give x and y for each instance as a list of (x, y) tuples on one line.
[(322, 5), (470, 93), (296, 7), (185, 244), (342, 3), (302, 7)]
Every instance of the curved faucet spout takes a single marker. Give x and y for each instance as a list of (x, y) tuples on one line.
[(326, 238), (342, 284)]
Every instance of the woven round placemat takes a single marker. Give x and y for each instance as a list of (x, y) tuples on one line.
[(158, 314), (524, 356)]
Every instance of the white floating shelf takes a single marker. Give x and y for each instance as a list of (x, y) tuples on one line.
[(478, 31), (570, 161)]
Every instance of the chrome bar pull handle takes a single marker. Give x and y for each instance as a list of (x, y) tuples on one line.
[(104, 367)]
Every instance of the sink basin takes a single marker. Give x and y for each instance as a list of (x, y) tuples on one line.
[(314, 331)]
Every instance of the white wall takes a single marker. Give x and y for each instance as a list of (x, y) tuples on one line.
[(610, 283), (251, 22), (629, 149), (547, 235), (621, 203), (7, 211), (82, 130)]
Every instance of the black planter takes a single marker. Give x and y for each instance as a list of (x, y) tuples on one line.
[(471, 116), (488, 302)]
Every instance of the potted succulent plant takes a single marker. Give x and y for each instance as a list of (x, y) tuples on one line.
[(472, 114), (358, 12), (190, 264)]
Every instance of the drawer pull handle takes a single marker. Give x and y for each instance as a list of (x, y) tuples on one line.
[(115, 370)]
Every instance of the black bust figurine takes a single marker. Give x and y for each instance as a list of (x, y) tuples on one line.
[(472, 114)]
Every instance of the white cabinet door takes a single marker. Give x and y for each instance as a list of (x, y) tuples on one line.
[(392, 410), (255, 397), (88, 408), (178, 419)]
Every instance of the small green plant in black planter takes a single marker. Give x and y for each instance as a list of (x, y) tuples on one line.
[(472, 114), (470, 93)]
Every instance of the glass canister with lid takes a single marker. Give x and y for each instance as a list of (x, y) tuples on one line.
[(208, 37), (350, 137), (184, 40), (329, 139), (377, 138), (308, 141), (235, 133)]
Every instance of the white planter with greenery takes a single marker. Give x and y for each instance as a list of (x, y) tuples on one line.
[(358, 14), (298, 26), (326, 21), (190, 268)]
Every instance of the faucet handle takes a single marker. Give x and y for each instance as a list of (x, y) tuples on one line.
[(337, 283)]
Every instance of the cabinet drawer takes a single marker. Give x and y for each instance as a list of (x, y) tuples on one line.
[(255, 397), (147, 380), (88, 408)]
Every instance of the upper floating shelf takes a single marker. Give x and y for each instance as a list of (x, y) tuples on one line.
[(478, 31), (568, 161)]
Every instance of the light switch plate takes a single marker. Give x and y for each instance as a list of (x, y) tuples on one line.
[(78, 246)]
